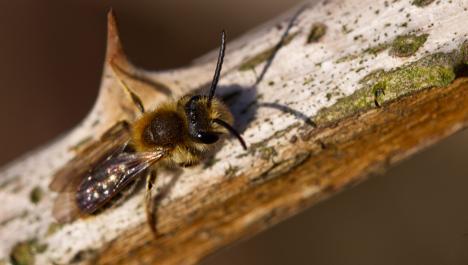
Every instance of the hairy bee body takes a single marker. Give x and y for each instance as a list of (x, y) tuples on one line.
[(168, 127), (177, 133)]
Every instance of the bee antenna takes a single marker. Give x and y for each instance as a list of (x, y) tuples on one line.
[(219, 65), (232, 131)]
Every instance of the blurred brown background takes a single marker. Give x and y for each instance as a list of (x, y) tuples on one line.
[(51, 54)]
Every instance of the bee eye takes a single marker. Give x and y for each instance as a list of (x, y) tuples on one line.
[(207, 137)]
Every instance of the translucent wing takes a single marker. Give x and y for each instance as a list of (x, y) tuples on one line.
[(112, 142), (102, 183)]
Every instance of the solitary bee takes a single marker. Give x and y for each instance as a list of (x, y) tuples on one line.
[(182, 132)]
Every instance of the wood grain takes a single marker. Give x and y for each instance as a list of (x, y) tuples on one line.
[(328, 159)]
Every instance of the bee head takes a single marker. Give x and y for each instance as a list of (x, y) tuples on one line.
[(203, 112), (199, 120)]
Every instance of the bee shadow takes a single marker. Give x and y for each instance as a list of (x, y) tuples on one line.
[(242, 102), (286, 109)]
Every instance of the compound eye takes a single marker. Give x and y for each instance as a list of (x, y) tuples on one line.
[(207, 137)]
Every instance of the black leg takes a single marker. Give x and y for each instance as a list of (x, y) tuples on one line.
[(149, 202)]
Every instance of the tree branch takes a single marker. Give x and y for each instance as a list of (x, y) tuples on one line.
[(355, 87)]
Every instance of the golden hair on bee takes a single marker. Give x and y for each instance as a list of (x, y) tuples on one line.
[(180, 132), (169, 127), (187, 129)]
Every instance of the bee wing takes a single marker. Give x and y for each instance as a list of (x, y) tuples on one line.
[(65, 208), (112, 142), (103, 183)]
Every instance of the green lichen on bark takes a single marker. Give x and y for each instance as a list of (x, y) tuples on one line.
[(381, 86), (317, 31), (36, 195), (24, 253), (407, 45), (231, 171), (348, 57), (374, 50), (464, 52), (53, 228), (259, 147), (422, 3), (267, 152), (402, 46), (263, 56)]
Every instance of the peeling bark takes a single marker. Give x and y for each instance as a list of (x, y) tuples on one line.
[(376, 79)]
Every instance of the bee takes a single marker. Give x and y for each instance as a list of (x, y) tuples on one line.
[(179, 132)]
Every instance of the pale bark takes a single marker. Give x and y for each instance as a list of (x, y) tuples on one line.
[(290, 164)]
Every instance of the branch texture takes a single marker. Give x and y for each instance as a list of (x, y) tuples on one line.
[(324, 97)]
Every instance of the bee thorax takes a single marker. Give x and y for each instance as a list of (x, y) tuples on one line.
[(165, 130)]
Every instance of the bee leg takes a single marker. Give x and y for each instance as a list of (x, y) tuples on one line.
[(149, 202), (133, 96)]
